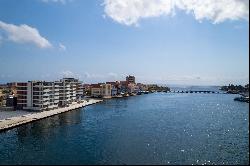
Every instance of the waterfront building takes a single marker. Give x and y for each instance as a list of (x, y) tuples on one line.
[(124, 86), (86, 89), (96, 90), (101, 90), (118, 87), (114, 89), (79, 91), (69, 89), (130, 79), (106, 90), (64, 93), (142, 87), (131, 88), (42, 95), (37, 95), (136, 89)]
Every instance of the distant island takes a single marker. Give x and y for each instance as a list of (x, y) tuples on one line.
[(236, 89)]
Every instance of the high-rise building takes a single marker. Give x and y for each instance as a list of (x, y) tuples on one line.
[(130, 79), (37, 95), (42, 95)]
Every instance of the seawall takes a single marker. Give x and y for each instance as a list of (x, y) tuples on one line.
[(24, 119)]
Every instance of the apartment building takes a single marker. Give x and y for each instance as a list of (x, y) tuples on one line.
[(37, 95), (42, 95), (68, 91), (79, 91)]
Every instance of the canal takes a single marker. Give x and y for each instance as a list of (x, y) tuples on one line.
[(158, 128)]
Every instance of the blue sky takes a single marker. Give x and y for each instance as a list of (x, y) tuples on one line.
[(102, 40)]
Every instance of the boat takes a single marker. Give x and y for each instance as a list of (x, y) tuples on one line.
[(118, 96), (138, 93), (125, 95), (242, 99)]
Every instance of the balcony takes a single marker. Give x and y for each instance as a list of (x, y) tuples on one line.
[(45, 99), (46, 95), (56, 93), (46, 103), (67, 86), (56, 101), (46, 90)]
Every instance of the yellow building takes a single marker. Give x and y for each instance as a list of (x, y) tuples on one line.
[(101, 90)]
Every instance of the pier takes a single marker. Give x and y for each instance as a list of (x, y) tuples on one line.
[(9, 123)]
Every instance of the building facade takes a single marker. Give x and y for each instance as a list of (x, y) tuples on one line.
[(37, 95), (42, 95), (130, 79), (101, 90), (114, 89), (96, 90)]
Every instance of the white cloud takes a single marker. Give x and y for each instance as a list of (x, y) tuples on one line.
[(67, 73), (129, 12), (62, 47), (24, 34)]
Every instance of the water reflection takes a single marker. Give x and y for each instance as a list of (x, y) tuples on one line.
[(44, 128)]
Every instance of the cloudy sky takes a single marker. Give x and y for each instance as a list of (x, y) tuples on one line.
[(191, 42)]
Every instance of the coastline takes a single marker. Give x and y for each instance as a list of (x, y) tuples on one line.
[(12, 122), (23, 118)]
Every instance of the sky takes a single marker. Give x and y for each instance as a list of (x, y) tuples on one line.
[(185, 42)]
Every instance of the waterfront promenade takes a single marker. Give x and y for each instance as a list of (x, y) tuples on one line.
[(31, 116)]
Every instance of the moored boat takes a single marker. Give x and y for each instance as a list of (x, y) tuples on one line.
[(242, 99)]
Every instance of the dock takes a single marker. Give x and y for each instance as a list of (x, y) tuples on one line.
[(9, 123)]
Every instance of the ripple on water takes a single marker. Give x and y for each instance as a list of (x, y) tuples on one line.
[(158, 128)]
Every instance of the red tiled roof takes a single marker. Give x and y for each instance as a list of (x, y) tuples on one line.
[(95, 85), (112, 83)]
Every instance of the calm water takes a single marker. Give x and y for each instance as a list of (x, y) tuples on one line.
[(156, 128)]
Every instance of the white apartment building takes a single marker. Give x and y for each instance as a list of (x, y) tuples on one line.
[(41, 95), (75, 88), (37, 95), (79, 91)]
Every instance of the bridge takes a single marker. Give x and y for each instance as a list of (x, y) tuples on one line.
[(198, 91)]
